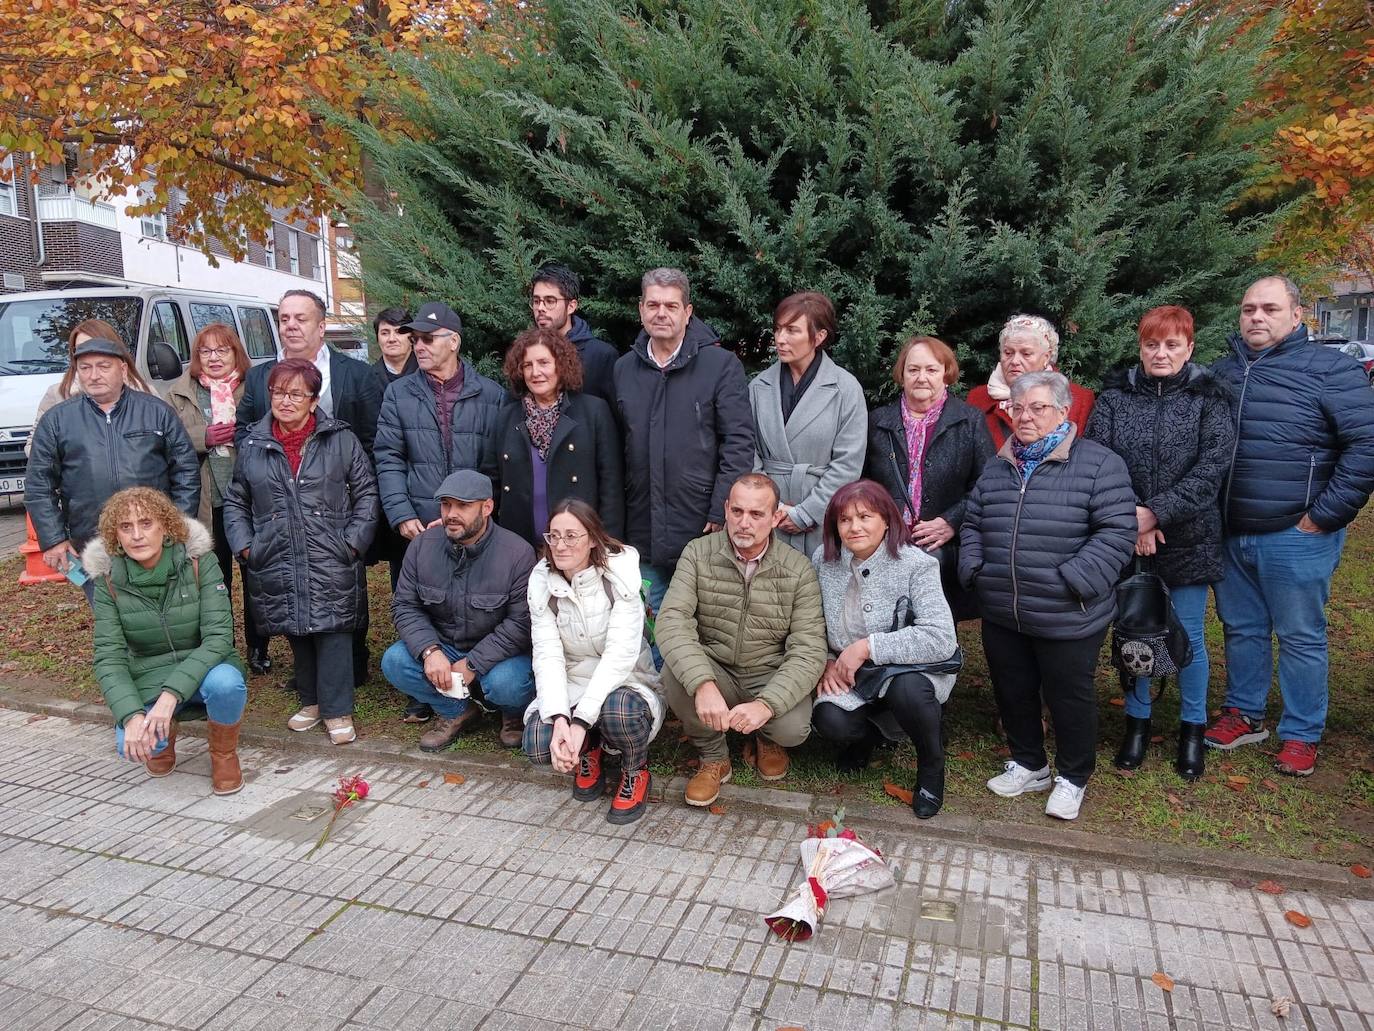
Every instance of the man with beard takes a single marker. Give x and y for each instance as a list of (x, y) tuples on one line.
[(463, 617), (743, 639), (555, 295)]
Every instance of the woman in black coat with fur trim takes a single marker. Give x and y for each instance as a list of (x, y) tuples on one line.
[(1170, 420)]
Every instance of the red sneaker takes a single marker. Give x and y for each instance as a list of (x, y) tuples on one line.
[(630, 801), (590, 779), (1296, 758), (1232, 729)]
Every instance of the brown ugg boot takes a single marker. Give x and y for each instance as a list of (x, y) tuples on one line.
[(225, 775), (161, 764)]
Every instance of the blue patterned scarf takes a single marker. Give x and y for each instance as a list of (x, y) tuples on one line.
[(1028, 456)]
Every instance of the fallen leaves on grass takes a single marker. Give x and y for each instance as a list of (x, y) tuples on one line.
[(1298, 919), (1281, 1006), (901, 794), (454, 778), (1173, 800), (1158, 739), (1163, 980), (1119, 702), (1268, 785), (965, 756), (1270, 887), (1360, 870), (1238, 778)]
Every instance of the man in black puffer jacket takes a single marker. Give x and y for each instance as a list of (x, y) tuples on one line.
[(1303, 468), (683, 404)]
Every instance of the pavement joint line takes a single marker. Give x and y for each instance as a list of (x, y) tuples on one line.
[(1033, 947), (1141, 856)]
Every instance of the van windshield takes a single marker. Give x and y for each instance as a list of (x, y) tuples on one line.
[(33, 333)]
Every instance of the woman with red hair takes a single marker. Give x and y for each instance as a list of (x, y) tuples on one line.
[(1170, 420)]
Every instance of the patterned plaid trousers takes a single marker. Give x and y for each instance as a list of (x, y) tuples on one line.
[(626, 724)]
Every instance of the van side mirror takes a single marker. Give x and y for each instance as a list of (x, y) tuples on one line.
[(163, 362)]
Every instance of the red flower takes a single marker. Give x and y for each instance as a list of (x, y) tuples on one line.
[(350, 790)]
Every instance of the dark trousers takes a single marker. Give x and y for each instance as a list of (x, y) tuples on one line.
[(324, 672), (254, 641), (911, 700), (1028, 672)]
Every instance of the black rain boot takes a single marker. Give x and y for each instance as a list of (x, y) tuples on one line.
[(929, 793), (853, 756), (1132, 751), (1191, 749)]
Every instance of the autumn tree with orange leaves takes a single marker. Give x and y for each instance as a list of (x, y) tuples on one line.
[(218, 98)]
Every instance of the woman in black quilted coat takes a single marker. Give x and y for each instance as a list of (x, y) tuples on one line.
[(1047, 530), (1171, 422), (300, 512)]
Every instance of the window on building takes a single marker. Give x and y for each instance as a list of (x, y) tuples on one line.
[(257, 333), (270, 248), (153, 227), (167, 327), (9, 199), (293, 246)]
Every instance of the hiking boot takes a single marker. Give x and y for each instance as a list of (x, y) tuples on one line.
[(161, 764), (445, 731), (1232, 729), (770, 760), (1065, 800), (1131, 754), (589, 780), (631, 799), (1017, 780), (1191, 763), (512, 729), (704, 788), (1296, 758)]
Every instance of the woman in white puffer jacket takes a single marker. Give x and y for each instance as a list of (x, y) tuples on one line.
[(596, 686)]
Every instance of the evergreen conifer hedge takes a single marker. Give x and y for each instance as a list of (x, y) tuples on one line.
[(932, 165)]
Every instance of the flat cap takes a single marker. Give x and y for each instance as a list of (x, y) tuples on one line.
[(465, 485), (99, 345)]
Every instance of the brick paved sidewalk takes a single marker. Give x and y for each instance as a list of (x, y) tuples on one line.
[(134, 903)]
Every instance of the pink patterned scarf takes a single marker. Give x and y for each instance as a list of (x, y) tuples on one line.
[(222, 404), (918, 429)]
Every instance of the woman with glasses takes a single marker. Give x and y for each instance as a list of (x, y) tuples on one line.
[(1047, 530), (596, 687), (555, 442), (300, 512), (206, 398)]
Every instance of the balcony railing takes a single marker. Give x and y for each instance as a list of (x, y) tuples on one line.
[(71, 208)]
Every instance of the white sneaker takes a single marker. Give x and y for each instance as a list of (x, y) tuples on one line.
[(1017, 780), (1065, 800)]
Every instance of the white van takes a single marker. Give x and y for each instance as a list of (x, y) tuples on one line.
[(158, 323)]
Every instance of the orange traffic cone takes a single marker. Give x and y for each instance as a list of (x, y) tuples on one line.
[(36, 571)]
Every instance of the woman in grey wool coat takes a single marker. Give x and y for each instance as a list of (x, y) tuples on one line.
[(874, 583), (810, 419)]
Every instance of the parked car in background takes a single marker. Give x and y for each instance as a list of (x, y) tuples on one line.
[(1361, 350), (158, 323)]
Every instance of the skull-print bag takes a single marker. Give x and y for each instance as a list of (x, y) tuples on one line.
[(1147, 638)]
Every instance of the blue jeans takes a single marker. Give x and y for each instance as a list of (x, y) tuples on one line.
[(1278, 584), (1190, 603), (509, 685), (658, 578), (222, 692)]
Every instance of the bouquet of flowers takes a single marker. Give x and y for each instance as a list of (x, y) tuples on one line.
[(350, 790), (837, 865)]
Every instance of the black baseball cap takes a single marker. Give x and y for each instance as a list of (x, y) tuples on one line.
[(99, 345), (435, 315)]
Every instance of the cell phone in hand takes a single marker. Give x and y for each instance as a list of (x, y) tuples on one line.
[(76, 572)]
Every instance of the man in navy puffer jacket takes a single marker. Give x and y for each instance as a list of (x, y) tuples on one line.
[(1302, 469)]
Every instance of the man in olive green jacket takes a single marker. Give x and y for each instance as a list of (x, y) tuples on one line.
[(742, 634)]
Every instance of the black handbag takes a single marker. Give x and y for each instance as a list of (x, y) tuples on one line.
[(1147, 638), (869, 679)]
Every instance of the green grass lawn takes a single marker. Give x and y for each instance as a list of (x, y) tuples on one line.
[(1241, 803)]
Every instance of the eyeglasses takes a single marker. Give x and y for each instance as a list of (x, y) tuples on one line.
[(294, 396), (216, 352), (1038, 409), (570, 539), (546, 302)]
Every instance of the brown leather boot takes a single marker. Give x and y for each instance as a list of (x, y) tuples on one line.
[(704, 788), (771, 762), (161, 764), (225, 775)]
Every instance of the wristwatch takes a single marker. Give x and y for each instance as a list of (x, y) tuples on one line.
[(425, 652)]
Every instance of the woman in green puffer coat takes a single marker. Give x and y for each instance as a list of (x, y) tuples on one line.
[(164, 633)]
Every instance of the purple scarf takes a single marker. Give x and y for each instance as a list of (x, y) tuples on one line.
[(918, 429)]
